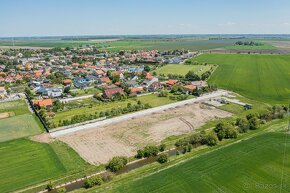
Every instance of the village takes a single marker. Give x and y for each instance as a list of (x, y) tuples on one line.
[(60, 81)]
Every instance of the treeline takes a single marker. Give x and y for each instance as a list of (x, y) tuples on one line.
[(227, 130), (248, 43), (226, 38)]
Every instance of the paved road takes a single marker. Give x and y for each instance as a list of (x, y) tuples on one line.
[(136, 114)]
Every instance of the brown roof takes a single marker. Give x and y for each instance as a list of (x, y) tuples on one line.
[(136, 89), (105, 79), (46, 102), (190, 87), (110, 92)]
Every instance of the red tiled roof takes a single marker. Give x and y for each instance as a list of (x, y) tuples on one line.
[(99, 72), (66, 81), (136, 89), (110, 92), (148, 76), (105, 79), (190, 87), (46, 102)]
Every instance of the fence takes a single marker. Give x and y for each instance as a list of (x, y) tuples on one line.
[(35, 111)]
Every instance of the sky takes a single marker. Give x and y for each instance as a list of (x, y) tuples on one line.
[(21, 18)]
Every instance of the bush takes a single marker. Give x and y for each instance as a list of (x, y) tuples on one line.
[(163, 158), (162, 147), (50, 186), (116, 163), (140, 154), (93, 181), (107, 176), (61, 190), (177, 152), (253, 123), (211, 139), (150, 150)]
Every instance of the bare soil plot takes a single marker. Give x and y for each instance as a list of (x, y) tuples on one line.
[(42, 138), (99, 145), (5, 115)]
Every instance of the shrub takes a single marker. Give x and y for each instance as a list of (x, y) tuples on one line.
[(116, 163), (177, 152), (253, 123), (185, 149), (50, 186), (107, 176), (140, 154), (150, 150), (211, 139), (93, 181), (61, 190), (163, 158), (162, 147)]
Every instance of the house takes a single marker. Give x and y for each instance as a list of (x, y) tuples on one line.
[(91, 78), (136, 90), (45, 102), (149, 79), (111, 92), (67, 81), (170, 83), (79, 80), (131, 83), (99, 73), (2, 92), (155, 86), (50, 92), (81, 84), (104, 80), (189, 88)]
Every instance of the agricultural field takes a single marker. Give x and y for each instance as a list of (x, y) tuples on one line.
[(182, 69), (17, 127), (19, 124), (258, 164), (260, 77), (129, 44), (24, 162)]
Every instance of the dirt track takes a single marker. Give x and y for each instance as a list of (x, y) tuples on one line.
[(125, 137)]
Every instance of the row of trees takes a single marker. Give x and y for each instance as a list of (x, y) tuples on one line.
[(150, 150), (113, 112), (248, 43)]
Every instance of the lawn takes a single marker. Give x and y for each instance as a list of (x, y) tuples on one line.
[(253, 165), (23, 163), (17, 127), (182, 69), (260, 77), (84, 92)]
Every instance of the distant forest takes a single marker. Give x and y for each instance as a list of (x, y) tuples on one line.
[(248, 43)]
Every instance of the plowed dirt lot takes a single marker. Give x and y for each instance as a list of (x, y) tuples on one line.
[(100, 144)]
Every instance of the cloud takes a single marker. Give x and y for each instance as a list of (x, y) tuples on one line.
[(231, 23), (228, 23), (286, 23)]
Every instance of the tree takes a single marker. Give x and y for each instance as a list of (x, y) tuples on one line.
[(146, 68), (211, 139), (253, 123), (243, 125), (150, 150), (116, 163), (163, 158), (162, 147), (192, 76), (140, 153)]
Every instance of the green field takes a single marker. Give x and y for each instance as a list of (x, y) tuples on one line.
[(265, 46), (21, 125), (17, 127), (133, 44), (24, 163), (181, 69), (260, 77), (258, 164), (19, 107)]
